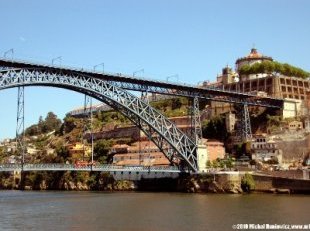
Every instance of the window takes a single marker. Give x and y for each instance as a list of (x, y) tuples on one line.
[(269, 81)]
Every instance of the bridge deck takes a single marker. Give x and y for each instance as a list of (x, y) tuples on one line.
[(153, 86), (95, 168)]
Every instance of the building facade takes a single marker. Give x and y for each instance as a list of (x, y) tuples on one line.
[(294, 90), (263, 150)]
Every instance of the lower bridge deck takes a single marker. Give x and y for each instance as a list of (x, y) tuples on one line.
[(98, 168)]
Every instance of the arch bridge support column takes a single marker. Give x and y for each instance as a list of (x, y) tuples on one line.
[(202, 151), (244, 124), (20, 126)]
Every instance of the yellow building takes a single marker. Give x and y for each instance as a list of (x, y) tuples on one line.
[(78, 150)]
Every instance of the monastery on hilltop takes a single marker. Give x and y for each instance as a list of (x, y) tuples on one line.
[(295, 90)]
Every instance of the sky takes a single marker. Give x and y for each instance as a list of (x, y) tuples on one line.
[(191, 39)]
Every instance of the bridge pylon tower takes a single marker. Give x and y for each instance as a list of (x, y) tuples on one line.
[(244, 127), (196, 131), (88, 125)]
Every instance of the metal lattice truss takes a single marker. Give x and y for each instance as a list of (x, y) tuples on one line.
[(176, 146), (196, 122), (20, 127), (153, 86), (244, 128)]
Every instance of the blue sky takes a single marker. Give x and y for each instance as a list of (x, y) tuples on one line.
[(193, 39)]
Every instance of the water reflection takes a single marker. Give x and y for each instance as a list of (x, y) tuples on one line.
[(145, 211)]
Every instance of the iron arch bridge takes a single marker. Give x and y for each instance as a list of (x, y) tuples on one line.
[(177, 146)]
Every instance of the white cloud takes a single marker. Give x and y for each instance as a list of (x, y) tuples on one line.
[(22, 39)]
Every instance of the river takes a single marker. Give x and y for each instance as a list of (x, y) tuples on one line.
[(53, 210)]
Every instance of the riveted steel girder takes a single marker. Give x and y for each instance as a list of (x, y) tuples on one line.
[(153, 86), (177, 147)]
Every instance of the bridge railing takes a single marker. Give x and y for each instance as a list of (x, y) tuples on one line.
[(10, 167), (127, 76), (73, 167)]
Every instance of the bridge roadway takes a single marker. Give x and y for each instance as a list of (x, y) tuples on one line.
[(95, 168), (152, 86)]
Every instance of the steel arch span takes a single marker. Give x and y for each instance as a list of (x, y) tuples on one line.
[(176, 145)]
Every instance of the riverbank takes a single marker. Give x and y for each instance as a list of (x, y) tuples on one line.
[(221, 182)]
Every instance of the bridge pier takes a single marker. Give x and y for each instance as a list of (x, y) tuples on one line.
[(18, 179), (202, 157)]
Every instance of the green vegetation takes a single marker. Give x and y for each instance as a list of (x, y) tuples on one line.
[(215, 129), (6, 180), (247, 183), (101, 150), (221, 163), (242, 149), (3, 155), (273, 67), (172, 107), (112, 117), (53, 147), (51, 123), (271, 161)]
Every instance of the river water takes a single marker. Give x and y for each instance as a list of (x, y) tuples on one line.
[(31, 210)]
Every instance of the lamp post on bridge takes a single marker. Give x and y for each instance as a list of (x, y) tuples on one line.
[(59, 58), (200, 84), (9, 51), (172, 76), (100, 64), (135, 72)]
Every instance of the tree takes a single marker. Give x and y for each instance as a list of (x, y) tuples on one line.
[(101, 150), (273, 67), (247, 183), (68, 125), (62, 153), (176, 103), (229, 162), (51, 123), (32, 130), (214, 129), (209, 164)]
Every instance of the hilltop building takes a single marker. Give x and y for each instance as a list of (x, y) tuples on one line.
[(293, 89)]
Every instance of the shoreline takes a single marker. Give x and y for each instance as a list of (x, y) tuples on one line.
[(206, 184)]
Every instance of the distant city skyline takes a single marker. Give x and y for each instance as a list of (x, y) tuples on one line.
[(164, 38)]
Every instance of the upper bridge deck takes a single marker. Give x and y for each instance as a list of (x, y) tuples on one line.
[(153, 86)]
